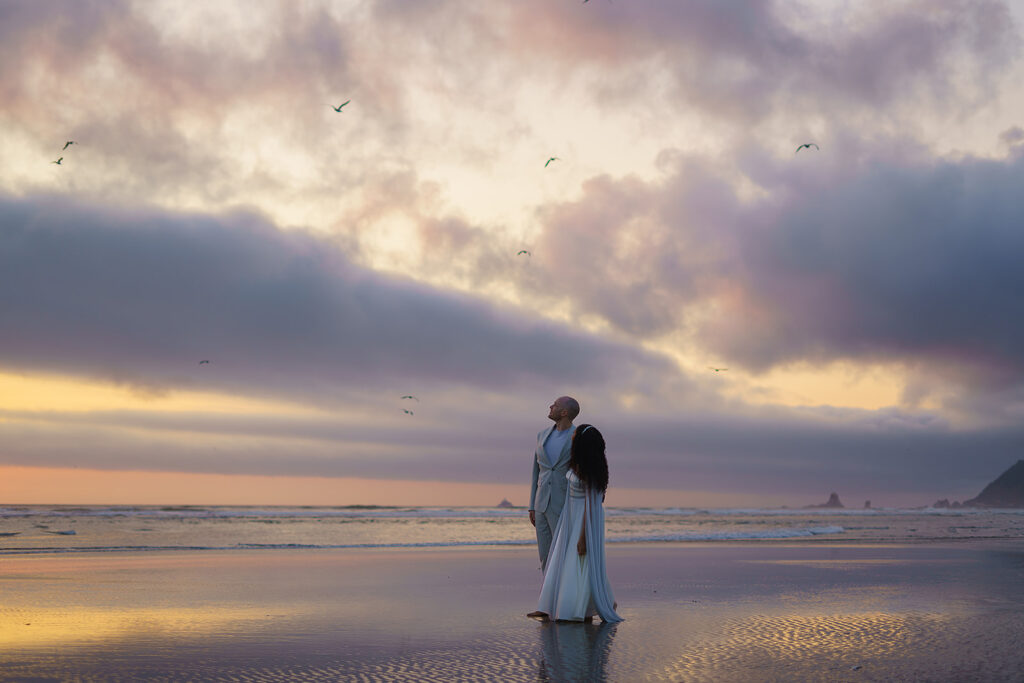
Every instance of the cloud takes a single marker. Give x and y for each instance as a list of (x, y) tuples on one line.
[(172, 92), (891, 457), (748, 59), (899, 260), (873, 250), (863, 252), (140, 295), (1012, 136)]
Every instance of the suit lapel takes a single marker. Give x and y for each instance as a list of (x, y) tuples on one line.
[(542, 456), (563, 457)]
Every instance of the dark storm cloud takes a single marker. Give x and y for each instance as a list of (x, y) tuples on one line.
[(903, 261), (141, 296)]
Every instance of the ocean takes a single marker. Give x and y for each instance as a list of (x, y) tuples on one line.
[(48, 529)]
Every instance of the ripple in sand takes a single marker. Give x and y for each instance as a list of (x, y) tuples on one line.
[(844, 647)]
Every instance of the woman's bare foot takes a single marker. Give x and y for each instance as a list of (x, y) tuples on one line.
[(543, 616)]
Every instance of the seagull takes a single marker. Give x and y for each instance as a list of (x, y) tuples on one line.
[(407, 412), (203, 361), (523, 251), (58, 161), (550, 160), (808, 145), (338, 108), (717, 369), (67, 144), (412, 397)]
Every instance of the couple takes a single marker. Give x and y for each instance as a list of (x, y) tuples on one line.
[(570, 475)]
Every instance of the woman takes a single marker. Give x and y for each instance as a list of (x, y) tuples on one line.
[(575, 581)]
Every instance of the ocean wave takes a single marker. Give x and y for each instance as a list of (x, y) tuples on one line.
[(773, 534), (766, 535), (654, 512), (440, 512)]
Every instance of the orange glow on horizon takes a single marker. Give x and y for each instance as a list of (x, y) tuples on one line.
[(46, 392), (77, 486)]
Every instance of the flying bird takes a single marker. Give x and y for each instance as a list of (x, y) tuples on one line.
[(412, 397), (67, 144), (523, 251), (808, 145), (550, 160), (338, 108), (717, 369), (58, 161), (407, 412), (203, 361)]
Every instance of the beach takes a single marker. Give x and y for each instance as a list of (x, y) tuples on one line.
[(779, 611)]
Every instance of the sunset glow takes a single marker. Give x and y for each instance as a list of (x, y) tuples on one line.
[(747, 323)]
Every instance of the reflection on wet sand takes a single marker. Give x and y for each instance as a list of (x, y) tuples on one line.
[(575, 651), (695, 613), (34, 628)]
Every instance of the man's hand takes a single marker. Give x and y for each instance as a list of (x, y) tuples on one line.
[(533, 518)]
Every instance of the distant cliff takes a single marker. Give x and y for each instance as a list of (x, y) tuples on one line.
[(1007, 491)]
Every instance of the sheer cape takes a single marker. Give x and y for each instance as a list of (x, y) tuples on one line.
[(576, 586), (600, 589)]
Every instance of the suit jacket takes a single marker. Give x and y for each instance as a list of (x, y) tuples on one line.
[(548, 483)]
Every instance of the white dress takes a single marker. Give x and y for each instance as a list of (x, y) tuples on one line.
[(577, 587)]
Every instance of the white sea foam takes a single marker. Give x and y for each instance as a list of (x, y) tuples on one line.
[(767, 534)]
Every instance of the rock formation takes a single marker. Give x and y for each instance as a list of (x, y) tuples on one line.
[(833, 502), (505, 504), (1007, 491)]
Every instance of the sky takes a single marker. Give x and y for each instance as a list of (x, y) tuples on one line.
[(862, 294)]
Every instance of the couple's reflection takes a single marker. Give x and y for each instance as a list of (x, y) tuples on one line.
[(574, 651)]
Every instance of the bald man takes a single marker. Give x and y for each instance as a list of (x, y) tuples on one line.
[(550, 462)]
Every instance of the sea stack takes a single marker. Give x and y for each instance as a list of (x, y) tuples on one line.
[(505, 504), (1007, 491), (833, 502)]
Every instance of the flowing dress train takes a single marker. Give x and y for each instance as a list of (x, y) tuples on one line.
[(577, 587)]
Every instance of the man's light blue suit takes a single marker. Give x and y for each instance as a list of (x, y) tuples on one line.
[(547, 491)]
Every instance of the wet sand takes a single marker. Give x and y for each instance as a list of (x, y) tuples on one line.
[(694, 612)]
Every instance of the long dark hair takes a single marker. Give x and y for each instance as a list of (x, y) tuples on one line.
[(587, 458)]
